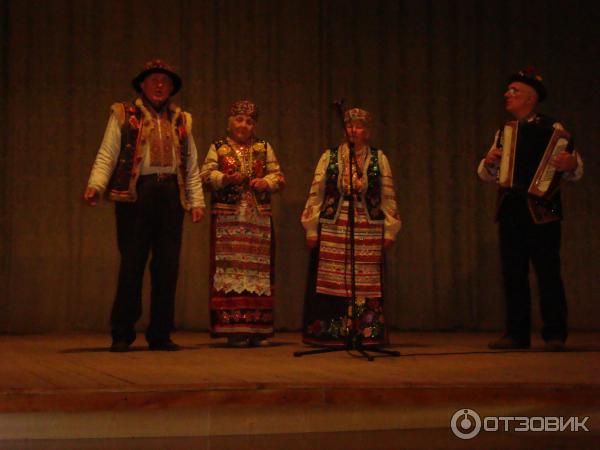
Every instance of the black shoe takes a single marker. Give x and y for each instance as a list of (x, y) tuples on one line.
[(507, 343), (554, 345), (120, 346), (164, 346)]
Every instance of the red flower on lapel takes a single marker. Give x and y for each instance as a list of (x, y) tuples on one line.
[(134, 122), (181, 131)]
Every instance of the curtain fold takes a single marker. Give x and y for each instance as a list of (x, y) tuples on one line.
[(432, 73)]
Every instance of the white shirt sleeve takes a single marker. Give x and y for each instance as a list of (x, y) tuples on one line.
[(389, 206), (274, 176), (578, 172), (107, 157), (193, 184), (210, 174), (312, 209)]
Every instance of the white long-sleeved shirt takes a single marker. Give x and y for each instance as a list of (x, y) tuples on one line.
[(108, 155)]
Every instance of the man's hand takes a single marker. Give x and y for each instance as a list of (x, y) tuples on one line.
[(197, 214), (232, 178), (259, 184), (493, 157), (564, 162), (311, 242), (387, 243), (91, 196)]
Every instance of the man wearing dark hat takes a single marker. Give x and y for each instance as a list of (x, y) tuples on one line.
[(529, 226), (147, 164)]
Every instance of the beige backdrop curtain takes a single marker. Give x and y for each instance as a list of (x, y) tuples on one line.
[(431, 72)]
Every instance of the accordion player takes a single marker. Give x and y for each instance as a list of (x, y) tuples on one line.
[(525, 167)]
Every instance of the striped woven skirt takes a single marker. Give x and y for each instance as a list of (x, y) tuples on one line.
[(328, 312), (241, 275)]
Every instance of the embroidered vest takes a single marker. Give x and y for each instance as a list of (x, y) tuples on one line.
[(371, 198), (135, 127), (227, 198)]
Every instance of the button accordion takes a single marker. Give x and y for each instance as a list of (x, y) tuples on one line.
[(527, 150)]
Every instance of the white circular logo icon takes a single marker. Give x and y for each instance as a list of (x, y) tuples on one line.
[(465, 424)]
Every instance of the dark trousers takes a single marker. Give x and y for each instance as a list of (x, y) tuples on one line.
[(151, 224), (521, 241)]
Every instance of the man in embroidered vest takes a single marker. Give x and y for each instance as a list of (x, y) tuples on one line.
[(529, 226), (328, 313), (242, 172), (147, 163)]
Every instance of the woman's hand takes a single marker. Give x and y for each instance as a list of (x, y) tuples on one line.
[(259, 184)]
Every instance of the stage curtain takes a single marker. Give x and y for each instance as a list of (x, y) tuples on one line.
[(431, 72)]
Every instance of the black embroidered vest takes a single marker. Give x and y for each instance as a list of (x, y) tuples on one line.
[(122, 184), (119, 184), (332, 196)]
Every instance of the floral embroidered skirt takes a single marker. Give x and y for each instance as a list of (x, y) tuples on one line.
[(328, 312), (241, 275)]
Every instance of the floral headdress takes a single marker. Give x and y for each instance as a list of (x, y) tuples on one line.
[(245, 107), (357, 114)]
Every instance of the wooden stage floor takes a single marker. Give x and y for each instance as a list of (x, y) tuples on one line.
[(60, 389)]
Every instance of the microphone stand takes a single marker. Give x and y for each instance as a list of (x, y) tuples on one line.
[(354, 339)]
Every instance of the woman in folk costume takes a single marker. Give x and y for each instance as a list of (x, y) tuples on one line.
[(242, 172), (328, 315)]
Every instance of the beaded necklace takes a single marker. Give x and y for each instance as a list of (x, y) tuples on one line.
[(245, 156), (357, 170)]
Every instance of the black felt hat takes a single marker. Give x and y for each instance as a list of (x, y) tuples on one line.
[(530, 77), (157, 66)]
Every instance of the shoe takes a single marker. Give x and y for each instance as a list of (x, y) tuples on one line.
[(554, 345), (507, 343), (120, 346), (259, 341), (239, 342), (164, 346)]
